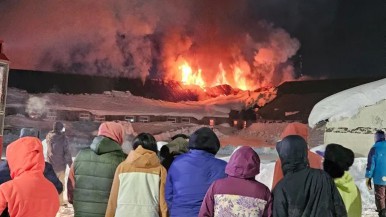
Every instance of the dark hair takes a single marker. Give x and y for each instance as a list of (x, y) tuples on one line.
[(184, 136), (379, 136), (30, 131), (58, 126), (146, 140)]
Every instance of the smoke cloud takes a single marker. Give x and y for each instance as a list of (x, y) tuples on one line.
[(121, 38), (36, 106)]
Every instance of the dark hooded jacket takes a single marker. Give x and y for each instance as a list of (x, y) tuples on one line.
[(191, 174), (304, 192), (58, 151), (92, 175), (239, 194)]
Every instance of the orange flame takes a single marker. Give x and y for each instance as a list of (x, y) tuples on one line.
[(221, 77), (240, 79), (236, 76), (189, 77)]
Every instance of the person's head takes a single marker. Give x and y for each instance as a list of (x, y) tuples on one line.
[(175, 147), (146, 140), (379, 136), (295, 129), (58, 127), (32, 132), (180, 135), (112, 130), (204, 139), (337, 159), (244, 163), (25, 154), (293, 154)]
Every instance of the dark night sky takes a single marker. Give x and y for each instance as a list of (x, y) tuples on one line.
[(338, 38)]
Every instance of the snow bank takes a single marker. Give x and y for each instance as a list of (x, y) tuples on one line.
[(347, 103)]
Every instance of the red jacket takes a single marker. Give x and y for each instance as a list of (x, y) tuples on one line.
[(29, 193), (314, 160)]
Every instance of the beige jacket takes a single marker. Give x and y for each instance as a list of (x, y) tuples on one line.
[(139, 187)]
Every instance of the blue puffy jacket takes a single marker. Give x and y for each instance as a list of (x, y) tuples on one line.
[(376, 163), (188, 180)]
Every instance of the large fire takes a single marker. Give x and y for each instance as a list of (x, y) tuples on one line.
[(190, 77), (194, 76)]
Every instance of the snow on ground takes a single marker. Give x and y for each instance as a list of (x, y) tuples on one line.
[(120, 103), (347, 103)]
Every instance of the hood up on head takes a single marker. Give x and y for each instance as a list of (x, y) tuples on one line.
[(58, 127), (112, 130), (292, 151), (204, 139), (244, 163), (25, 155), (295, 129), (178, 146), (143, 158)]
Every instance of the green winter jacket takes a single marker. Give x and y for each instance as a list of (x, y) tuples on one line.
[(350, 195), (94, 170)]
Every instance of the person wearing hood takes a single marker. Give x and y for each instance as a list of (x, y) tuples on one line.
[(58, 152), (29, 193), (376, 170), (304, 191), (171, 150), (49, 173), (192, 173), (314, 160), (139, 182), (91, 176), (239, 194), (337, 161)]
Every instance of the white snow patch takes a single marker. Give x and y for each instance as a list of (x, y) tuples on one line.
[(347, 103)]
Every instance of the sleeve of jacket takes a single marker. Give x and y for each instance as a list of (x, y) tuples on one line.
[(67, 152), (339, 207), (207, 206), (162, 202), (277, 174), (71, 185), (5, 173), (280, 203), (370, 163), (3, 201), (49, 173), (112, 204), (169, 188), (268, 206)]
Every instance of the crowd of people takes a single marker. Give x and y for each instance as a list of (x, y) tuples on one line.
[(184, 178)]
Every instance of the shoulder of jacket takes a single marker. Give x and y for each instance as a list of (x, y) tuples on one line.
[(82, 153)]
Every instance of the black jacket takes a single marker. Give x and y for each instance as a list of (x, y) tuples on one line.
[(304, 192)]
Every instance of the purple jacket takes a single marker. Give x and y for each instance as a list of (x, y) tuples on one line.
[(239, 194)]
